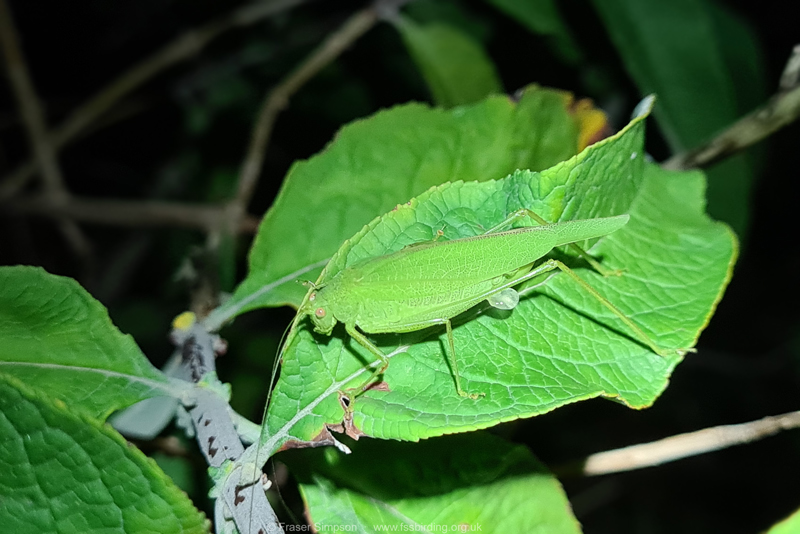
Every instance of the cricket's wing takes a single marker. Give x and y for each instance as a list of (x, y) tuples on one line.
[(417, 286), (481, 257)]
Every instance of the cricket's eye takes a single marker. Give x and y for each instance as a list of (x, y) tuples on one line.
[(320, 312)]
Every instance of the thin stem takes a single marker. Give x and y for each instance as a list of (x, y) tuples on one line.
[(780, 110), (30, 108), (278, 99), (36, 128), (132, 213), (679, 446)]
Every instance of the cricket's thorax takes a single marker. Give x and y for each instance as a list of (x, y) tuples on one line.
[(337, 302)]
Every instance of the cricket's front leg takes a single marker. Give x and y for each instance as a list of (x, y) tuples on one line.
[(370, 346), (367, 344)]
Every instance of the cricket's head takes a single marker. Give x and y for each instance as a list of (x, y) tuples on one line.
[(317, 308)]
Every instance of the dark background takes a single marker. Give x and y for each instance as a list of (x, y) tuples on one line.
[(183, 135)]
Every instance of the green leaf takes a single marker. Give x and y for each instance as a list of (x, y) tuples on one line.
[(790, 525), (456, 68), (559, 345), (57, 338), (685, 52), (68, 474), (475, 482), (393, 156)]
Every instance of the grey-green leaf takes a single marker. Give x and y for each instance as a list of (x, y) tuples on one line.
[(63, 473), (55, 337)]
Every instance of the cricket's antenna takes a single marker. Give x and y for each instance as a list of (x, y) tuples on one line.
[(275, 366), (286, 338)]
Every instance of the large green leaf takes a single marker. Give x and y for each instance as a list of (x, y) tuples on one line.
[(687, 52), (559, 345), (67, 474), (393, 156), (465, 483), (456, 68), (55, 337)]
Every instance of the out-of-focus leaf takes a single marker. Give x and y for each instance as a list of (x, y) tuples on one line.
[(743, 56), (686, 52), (145, 419), (456, 68), (669, 48), (451, 13)]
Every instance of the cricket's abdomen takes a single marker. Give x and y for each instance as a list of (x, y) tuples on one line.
[(399, 307)]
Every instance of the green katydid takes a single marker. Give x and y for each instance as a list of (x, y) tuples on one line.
[(429, 283)]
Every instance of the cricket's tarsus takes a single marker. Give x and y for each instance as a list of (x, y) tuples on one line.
[(429, 283)]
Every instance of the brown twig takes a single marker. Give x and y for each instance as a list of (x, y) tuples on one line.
[(183, 47), (132, 213), (30, 108), (36, 128), (791, 72), (780, 110), (678, 447), (278, 98)]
